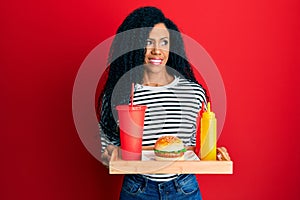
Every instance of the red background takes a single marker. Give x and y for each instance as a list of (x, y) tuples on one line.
[(43, 43)]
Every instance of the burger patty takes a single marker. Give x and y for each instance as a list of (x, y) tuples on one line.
[(166, 154)]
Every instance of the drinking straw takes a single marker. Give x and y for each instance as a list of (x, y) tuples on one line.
[(131, 95)]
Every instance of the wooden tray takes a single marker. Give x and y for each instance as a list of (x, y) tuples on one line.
[(118, 166)]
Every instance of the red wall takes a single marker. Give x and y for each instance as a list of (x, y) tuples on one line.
[(43, 43)]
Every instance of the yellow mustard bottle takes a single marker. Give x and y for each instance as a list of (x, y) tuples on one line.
[(208, 135)]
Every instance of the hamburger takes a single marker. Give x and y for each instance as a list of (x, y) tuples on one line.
[(169, 148)]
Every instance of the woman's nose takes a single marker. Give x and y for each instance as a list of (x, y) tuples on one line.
[(156, 50)]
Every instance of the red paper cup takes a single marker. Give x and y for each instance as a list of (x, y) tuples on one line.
[(131, 123)]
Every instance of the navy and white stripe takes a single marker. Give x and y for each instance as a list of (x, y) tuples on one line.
[(171, 110)]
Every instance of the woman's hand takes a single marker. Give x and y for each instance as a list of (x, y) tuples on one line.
[(222, 154), (106, 155)]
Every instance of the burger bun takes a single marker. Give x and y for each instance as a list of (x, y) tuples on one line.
[(169, 148)]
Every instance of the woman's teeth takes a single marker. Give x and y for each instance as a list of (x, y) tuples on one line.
[(155, 61)]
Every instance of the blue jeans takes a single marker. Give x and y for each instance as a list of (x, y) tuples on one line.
[(184, 187)]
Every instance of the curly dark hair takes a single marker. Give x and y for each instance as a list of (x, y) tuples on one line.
[(127, 52)]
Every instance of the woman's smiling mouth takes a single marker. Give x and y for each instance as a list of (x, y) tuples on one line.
[(155, 61)]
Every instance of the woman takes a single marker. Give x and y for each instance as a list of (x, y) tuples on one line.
[(149, 51)]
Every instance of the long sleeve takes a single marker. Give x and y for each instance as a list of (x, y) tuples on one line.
[(105, 141), (107, 125)]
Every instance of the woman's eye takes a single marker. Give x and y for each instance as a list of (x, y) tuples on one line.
[(149, 42), (164, 42)]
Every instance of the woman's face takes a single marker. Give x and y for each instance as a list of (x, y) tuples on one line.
[(157, 48)]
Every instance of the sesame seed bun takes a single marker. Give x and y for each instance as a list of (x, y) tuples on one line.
[(169, 148)]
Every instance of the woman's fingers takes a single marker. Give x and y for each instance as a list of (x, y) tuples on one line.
[(106, 155), (105, 158), (110, 149), (222, 154)]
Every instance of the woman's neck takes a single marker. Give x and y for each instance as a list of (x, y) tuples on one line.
[(152, 79)]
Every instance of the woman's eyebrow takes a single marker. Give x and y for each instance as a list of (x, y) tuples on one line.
[(159, 38), (164, 38)]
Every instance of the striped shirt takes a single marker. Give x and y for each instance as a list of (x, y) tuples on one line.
[(171, 110)]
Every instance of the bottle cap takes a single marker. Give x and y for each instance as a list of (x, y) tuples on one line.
[(208, 113)]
